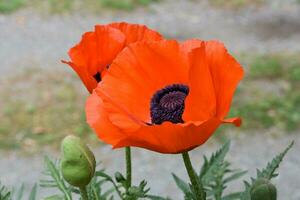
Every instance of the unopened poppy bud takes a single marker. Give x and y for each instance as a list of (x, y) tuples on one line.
[(78, 162), (262, 189), (119, 177)]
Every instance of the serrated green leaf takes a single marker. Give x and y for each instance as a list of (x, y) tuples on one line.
[(235, 176), (32, 195), (104, 175), (154, 197), (56, 179), (55, 197), (211, 165), (185, 188), (20, 192), (233, 196), (5, 194), (269, 171)]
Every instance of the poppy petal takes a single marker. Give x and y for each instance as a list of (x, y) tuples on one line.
[(236, 121), (97, 118), (200, 104), (171, 138), (137, 73), (97, 49), (136, 32), (89, 82), (226, 73)]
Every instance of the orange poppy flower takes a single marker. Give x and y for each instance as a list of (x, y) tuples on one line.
[(97, 49), (165, 96)]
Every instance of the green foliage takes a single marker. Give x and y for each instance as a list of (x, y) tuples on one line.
[(124, 4), (55, 180), (7, 6), (58, 6), (282, 112), (5, 194), (266, 67), (235, 3), (215, 175), (140, 191), (31, 119), (61, 6), (268, 172), (294, 72), (32, 195)]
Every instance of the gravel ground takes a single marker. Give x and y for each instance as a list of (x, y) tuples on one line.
[(29, 39)]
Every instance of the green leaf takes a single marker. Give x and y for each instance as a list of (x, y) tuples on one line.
[(233, 196), (5, 194), (32, 195), (55, 197), (154, 197), (185, 188), (104, 175), (20, 192), (235, 176), (211, 165), (56, 179), (269, 171)]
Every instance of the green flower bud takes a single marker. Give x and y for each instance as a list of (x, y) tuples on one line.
[(119, 177), (78, 162), (262, 189)]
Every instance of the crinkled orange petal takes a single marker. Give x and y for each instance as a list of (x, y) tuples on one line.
[(236, 121), (226, 73), (191, 44), (136, 74), (136, 32), (97, 118), (89, 82), (171, 138), (95, 52), (200, 104)]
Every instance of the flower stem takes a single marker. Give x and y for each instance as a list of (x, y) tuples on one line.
[(83, 192), (196, 183), (128, 167)]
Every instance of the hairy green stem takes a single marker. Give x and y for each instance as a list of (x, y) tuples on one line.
[(83, 192), (196, 183), (128, 167)]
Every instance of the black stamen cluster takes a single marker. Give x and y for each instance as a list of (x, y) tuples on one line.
[(167, 104)]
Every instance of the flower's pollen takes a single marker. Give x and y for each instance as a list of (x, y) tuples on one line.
[(167, 104), (97, 77)]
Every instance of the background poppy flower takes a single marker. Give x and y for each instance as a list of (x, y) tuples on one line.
[(95, 52), (165, 96)]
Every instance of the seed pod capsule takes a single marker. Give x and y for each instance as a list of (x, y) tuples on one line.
[(263, 189)]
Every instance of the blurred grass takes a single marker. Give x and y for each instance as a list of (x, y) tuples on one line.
[(235, 3), (62, 6), (39, 107), (7, 6), (270, 94)]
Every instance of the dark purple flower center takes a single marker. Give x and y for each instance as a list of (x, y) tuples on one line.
[(167, 104), (97, 77)]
